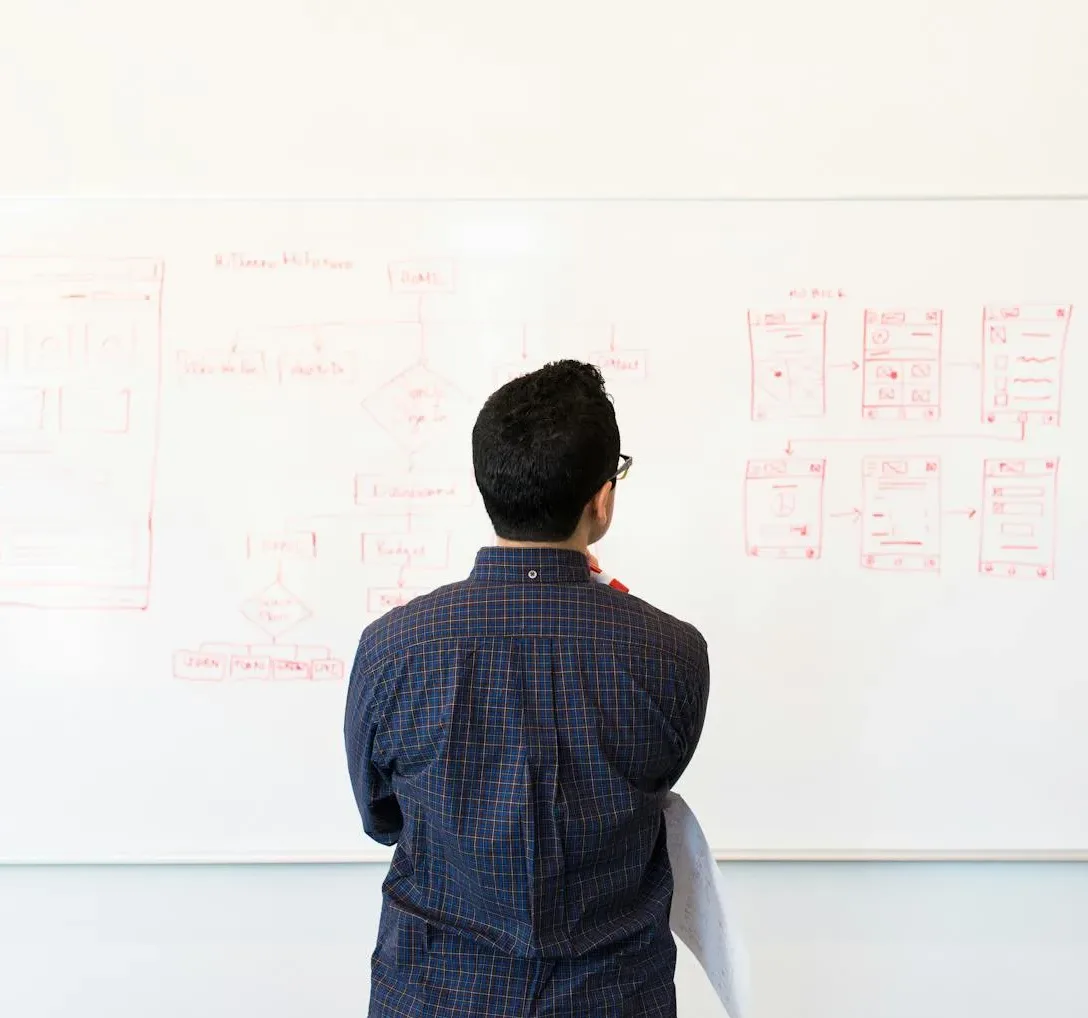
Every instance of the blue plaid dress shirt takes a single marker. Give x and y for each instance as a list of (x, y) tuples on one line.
[(515, 735)]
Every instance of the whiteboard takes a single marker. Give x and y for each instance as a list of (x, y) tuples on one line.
[(233, 433)]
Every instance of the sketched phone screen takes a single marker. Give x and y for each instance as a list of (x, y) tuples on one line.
[(80, 349)]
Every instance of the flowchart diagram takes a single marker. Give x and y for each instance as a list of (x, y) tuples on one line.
[(83, 361), (399, 542), (900, 509)]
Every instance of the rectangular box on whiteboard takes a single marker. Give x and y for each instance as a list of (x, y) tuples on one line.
[(418, 549), (422, 275), (1019, 518), (787, 350), (22, 409), (1023, 358), (381, 599), (783, 500), (901, 515), (102, 411), (902, 364), (411, 492), (89, 350)]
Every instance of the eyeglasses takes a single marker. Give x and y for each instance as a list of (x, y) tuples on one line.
[(625, 465)]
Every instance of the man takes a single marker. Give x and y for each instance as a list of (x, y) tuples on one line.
[(515, 736)]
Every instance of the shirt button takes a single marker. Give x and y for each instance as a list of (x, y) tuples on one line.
[(532, 574)]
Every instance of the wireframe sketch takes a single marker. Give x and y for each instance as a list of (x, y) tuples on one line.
[(80, 348), (1023, 356), (783, 501), (1019, 511), (901, 515), (902, 363), (788, 351)]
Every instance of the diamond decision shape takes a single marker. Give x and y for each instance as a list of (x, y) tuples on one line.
[(275, 610), (416, 406)]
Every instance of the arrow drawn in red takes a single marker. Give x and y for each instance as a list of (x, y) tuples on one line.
[(852, 365), (969, 513), (854, 514)]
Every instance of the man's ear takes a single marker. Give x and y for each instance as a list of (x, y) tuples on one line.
[(599, 503)]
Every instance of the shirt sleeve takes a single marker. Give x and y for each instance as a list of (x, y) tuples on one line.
[(693, 706), (364, 738)]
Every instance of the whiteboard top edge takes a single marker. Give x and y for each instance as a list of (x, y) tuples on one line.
[(721, 856), (556, 199)]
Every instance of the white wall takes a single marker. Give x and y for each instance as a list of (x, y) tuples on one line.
[(431, 98), (827, 940), (568, 98)]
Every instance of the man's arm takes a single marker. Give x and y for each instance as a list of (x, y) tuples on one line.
[(370, 770), (692, 709)]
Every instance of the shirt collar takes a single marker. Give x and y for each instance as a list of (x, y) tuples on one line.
[(497, 564)]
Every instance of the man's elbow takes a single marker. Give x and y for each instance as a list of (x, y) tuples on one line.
[(382, 837), (383, 822)]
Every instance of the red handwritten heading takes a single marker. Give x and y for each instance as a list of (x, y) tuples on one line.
[(239, 260), (818, 293)]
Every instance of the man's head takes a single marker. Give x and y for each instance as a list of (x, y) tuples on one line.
[(546, 451)]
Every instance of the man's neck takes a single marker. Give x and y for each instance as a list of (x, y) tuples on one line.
[(577, 543)]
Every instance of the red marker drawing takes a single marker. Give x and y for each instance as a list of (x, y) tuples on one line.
[(602, 577)]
